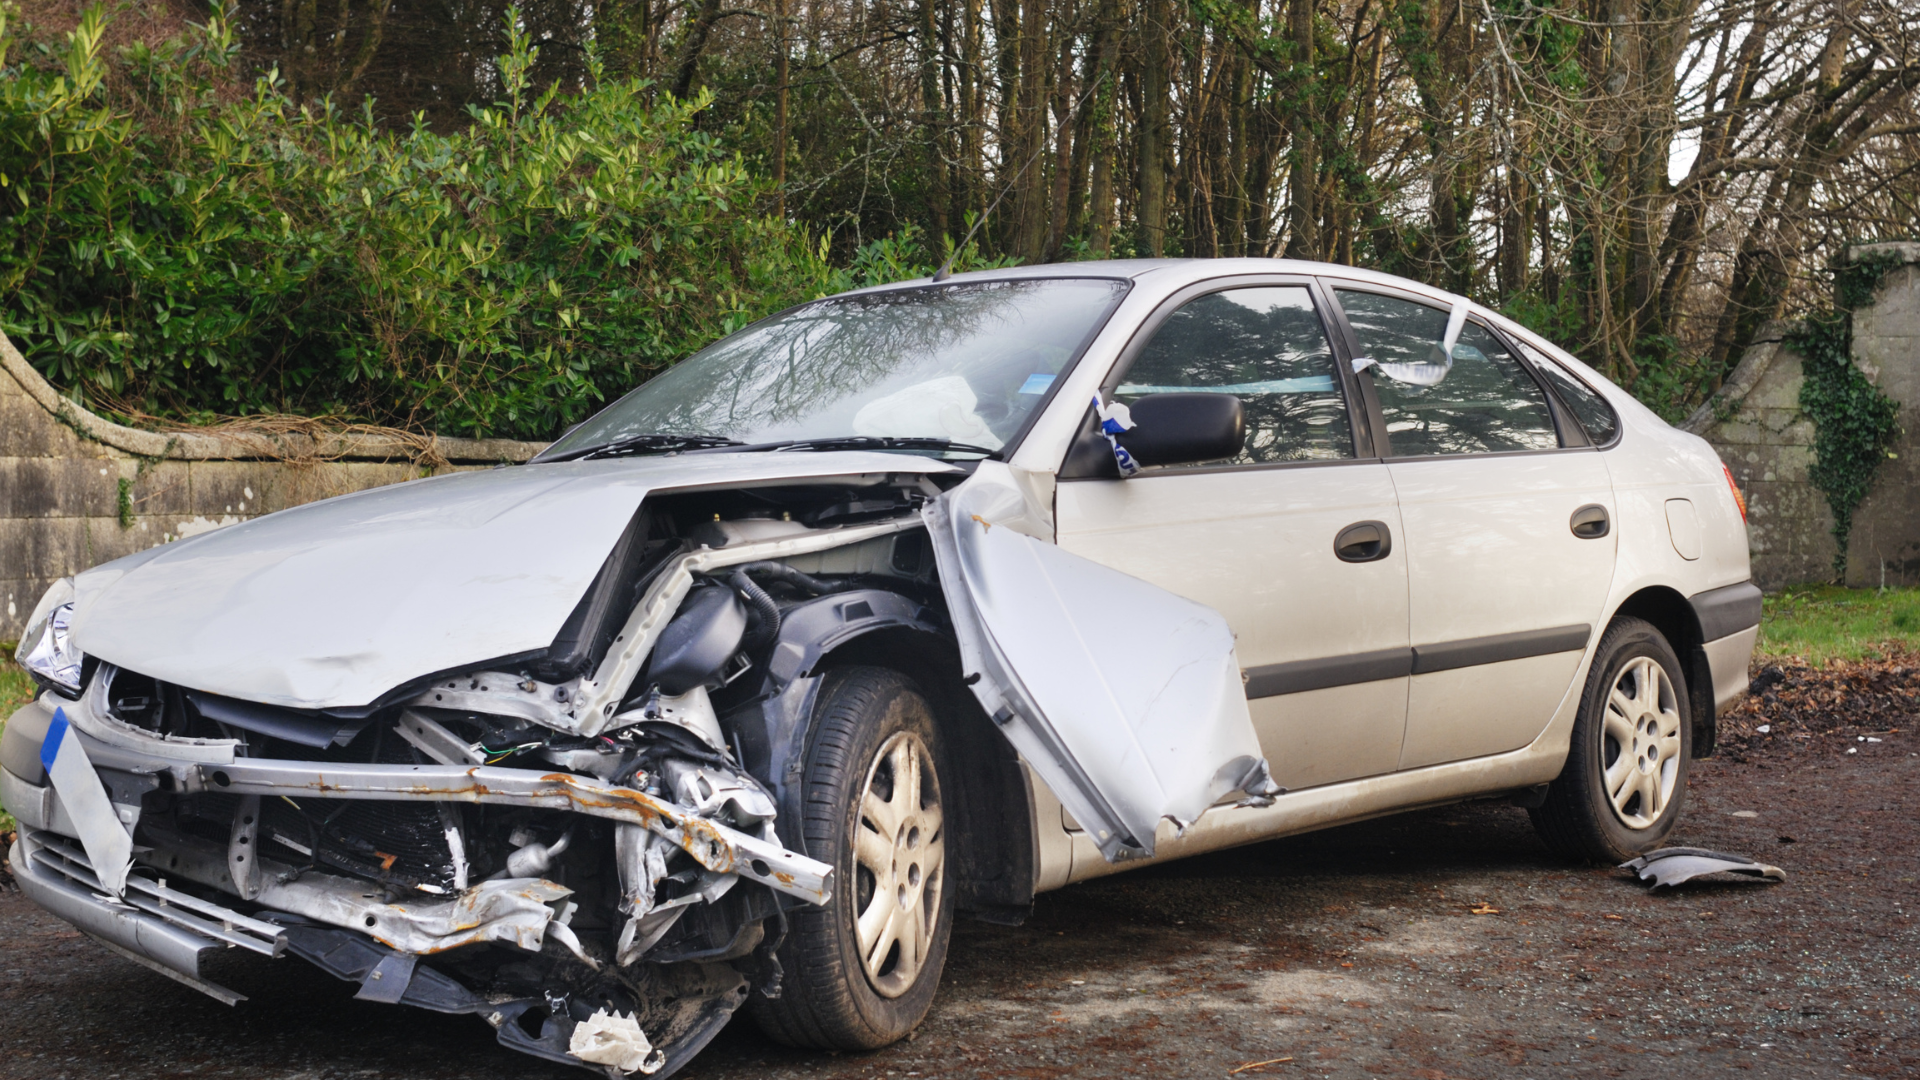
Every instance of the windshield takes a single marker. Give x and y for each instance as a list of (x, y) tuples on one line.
[(966, 362)]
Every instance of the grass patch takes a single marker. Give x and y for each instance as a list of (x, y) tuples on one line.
[(16, 689), (1823, 623)]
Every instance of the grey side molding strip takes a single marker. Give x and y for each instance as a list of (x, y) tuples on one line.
[(1272, 680), (1296, 676), (1726, 610), (1494, 648)]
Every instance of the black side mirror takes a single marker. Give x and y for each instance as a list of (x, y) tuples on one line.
[(1180, 429)]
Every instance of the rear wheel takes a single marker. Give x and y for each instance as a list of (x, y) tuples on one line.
[(861, 971), (1625, 780)]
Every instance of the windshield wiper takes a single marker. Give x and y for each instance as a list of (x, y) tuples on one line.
[(648, 444), (873, 442)]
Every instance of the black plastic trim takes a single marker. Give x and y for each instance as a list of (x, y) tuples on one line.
[(1293, 677), (304, 728), (1494, 648), (1296, 676), (1726, 610)]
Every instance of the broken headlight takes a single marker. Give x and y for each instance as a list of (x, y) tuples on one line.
[(46, 649)]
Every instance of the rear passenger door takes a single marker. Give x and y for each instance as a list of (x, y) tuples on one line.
[(1500, 495), (1322, 638)]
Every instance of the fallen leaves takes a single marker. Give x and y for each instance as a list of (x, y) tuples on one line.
[(1484, 908)]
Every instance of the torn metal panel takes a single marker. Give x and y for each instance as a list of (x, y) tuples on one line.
[(1125, 698), (714, 846), (510, 911), (1672, 866), (396, 583), (92, 715), (108, 841), (635, 642), (587, 706)]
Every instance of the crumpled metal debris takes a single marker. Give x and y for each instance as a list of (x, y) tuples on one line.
[(1671, 866), (615, 1039)]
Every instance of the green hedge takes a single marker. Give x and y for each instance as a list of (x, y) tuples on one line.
[(180, 243)]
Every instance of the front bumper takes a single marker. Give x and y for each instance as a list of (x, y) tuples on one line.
[(168, 929), (157, 927)]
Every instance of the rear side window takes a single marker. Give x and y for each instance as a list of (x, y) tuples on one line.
[(1266, 346), (1588, 407), (1478, 401)]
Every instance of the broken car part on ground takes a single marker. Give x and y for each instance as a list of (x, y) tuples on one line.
[(1676, 865)]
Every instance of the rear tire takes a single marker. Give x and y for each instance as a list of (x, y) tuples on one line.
[(1625, 780), (861, 971)]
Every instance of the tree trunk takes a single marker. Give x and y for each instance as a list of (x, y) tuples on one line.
[(1154, 129), (933, 121), (1303, 216)]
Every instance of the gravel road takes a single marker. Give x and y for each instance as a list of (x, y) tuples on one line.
[(1355, 952)]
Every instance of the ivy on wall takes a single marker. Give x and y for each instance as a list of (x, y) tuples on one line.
[(1854, 423)]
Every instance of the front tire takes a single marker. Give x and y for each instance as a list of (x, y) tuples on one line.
[(861, 971), (1625, 780)]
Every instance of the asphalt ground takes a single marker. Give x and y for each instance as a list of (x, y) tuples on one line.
[(1442, 943)]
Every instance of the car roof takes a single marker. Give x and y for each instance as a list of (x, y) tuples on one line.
[(1176, 272), (1168, 275)]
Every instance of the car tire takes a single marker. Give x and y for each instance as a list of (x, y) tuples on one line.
[(1625, 780), (861, 971)]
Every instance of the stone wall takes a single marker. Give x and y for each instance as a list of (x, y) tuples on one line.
[(1756, 424), (77, 490)]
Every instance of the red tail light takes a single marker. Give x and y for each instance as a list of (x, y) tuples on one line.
[(1739, 500)]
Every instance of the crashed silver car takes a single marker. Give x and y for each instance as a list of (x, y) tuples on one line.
[(898, 606)]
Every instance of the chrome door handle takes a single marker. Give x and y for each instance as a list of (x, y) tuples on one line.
[(1363, 541)]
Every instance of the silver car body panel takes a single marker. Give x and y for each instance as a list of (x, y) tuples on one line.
[(395, 583), (1123, 697)]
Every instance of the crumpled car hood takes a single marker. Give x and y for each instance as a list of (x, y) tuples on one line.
[(334, 603)]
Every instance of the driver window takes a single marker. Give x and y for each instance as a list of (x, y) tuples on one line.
[(1265, 345), (1479, 401)]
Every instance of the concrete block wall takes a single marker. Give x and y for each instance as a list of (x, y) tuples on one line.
[(61, 471), (1885, 546), (1767, 443), (1756, 424)]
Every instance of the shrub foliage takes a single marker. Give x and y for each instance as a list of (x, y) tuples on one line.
[(174, 241)]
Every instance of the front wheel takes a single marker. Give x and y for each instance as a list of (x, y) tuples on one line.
[(861, 971), (1625, 780)]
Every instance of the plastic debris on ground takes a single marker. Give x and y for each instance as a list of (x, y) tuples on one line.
[(1672, 866)]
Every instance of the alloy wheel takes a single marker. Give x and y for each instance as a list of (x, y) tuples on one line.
[(900, 862), (1640, 743)]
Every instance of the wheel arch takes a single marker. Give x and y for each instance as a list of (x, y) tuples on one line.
[(991, 844), (1674, 617)]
